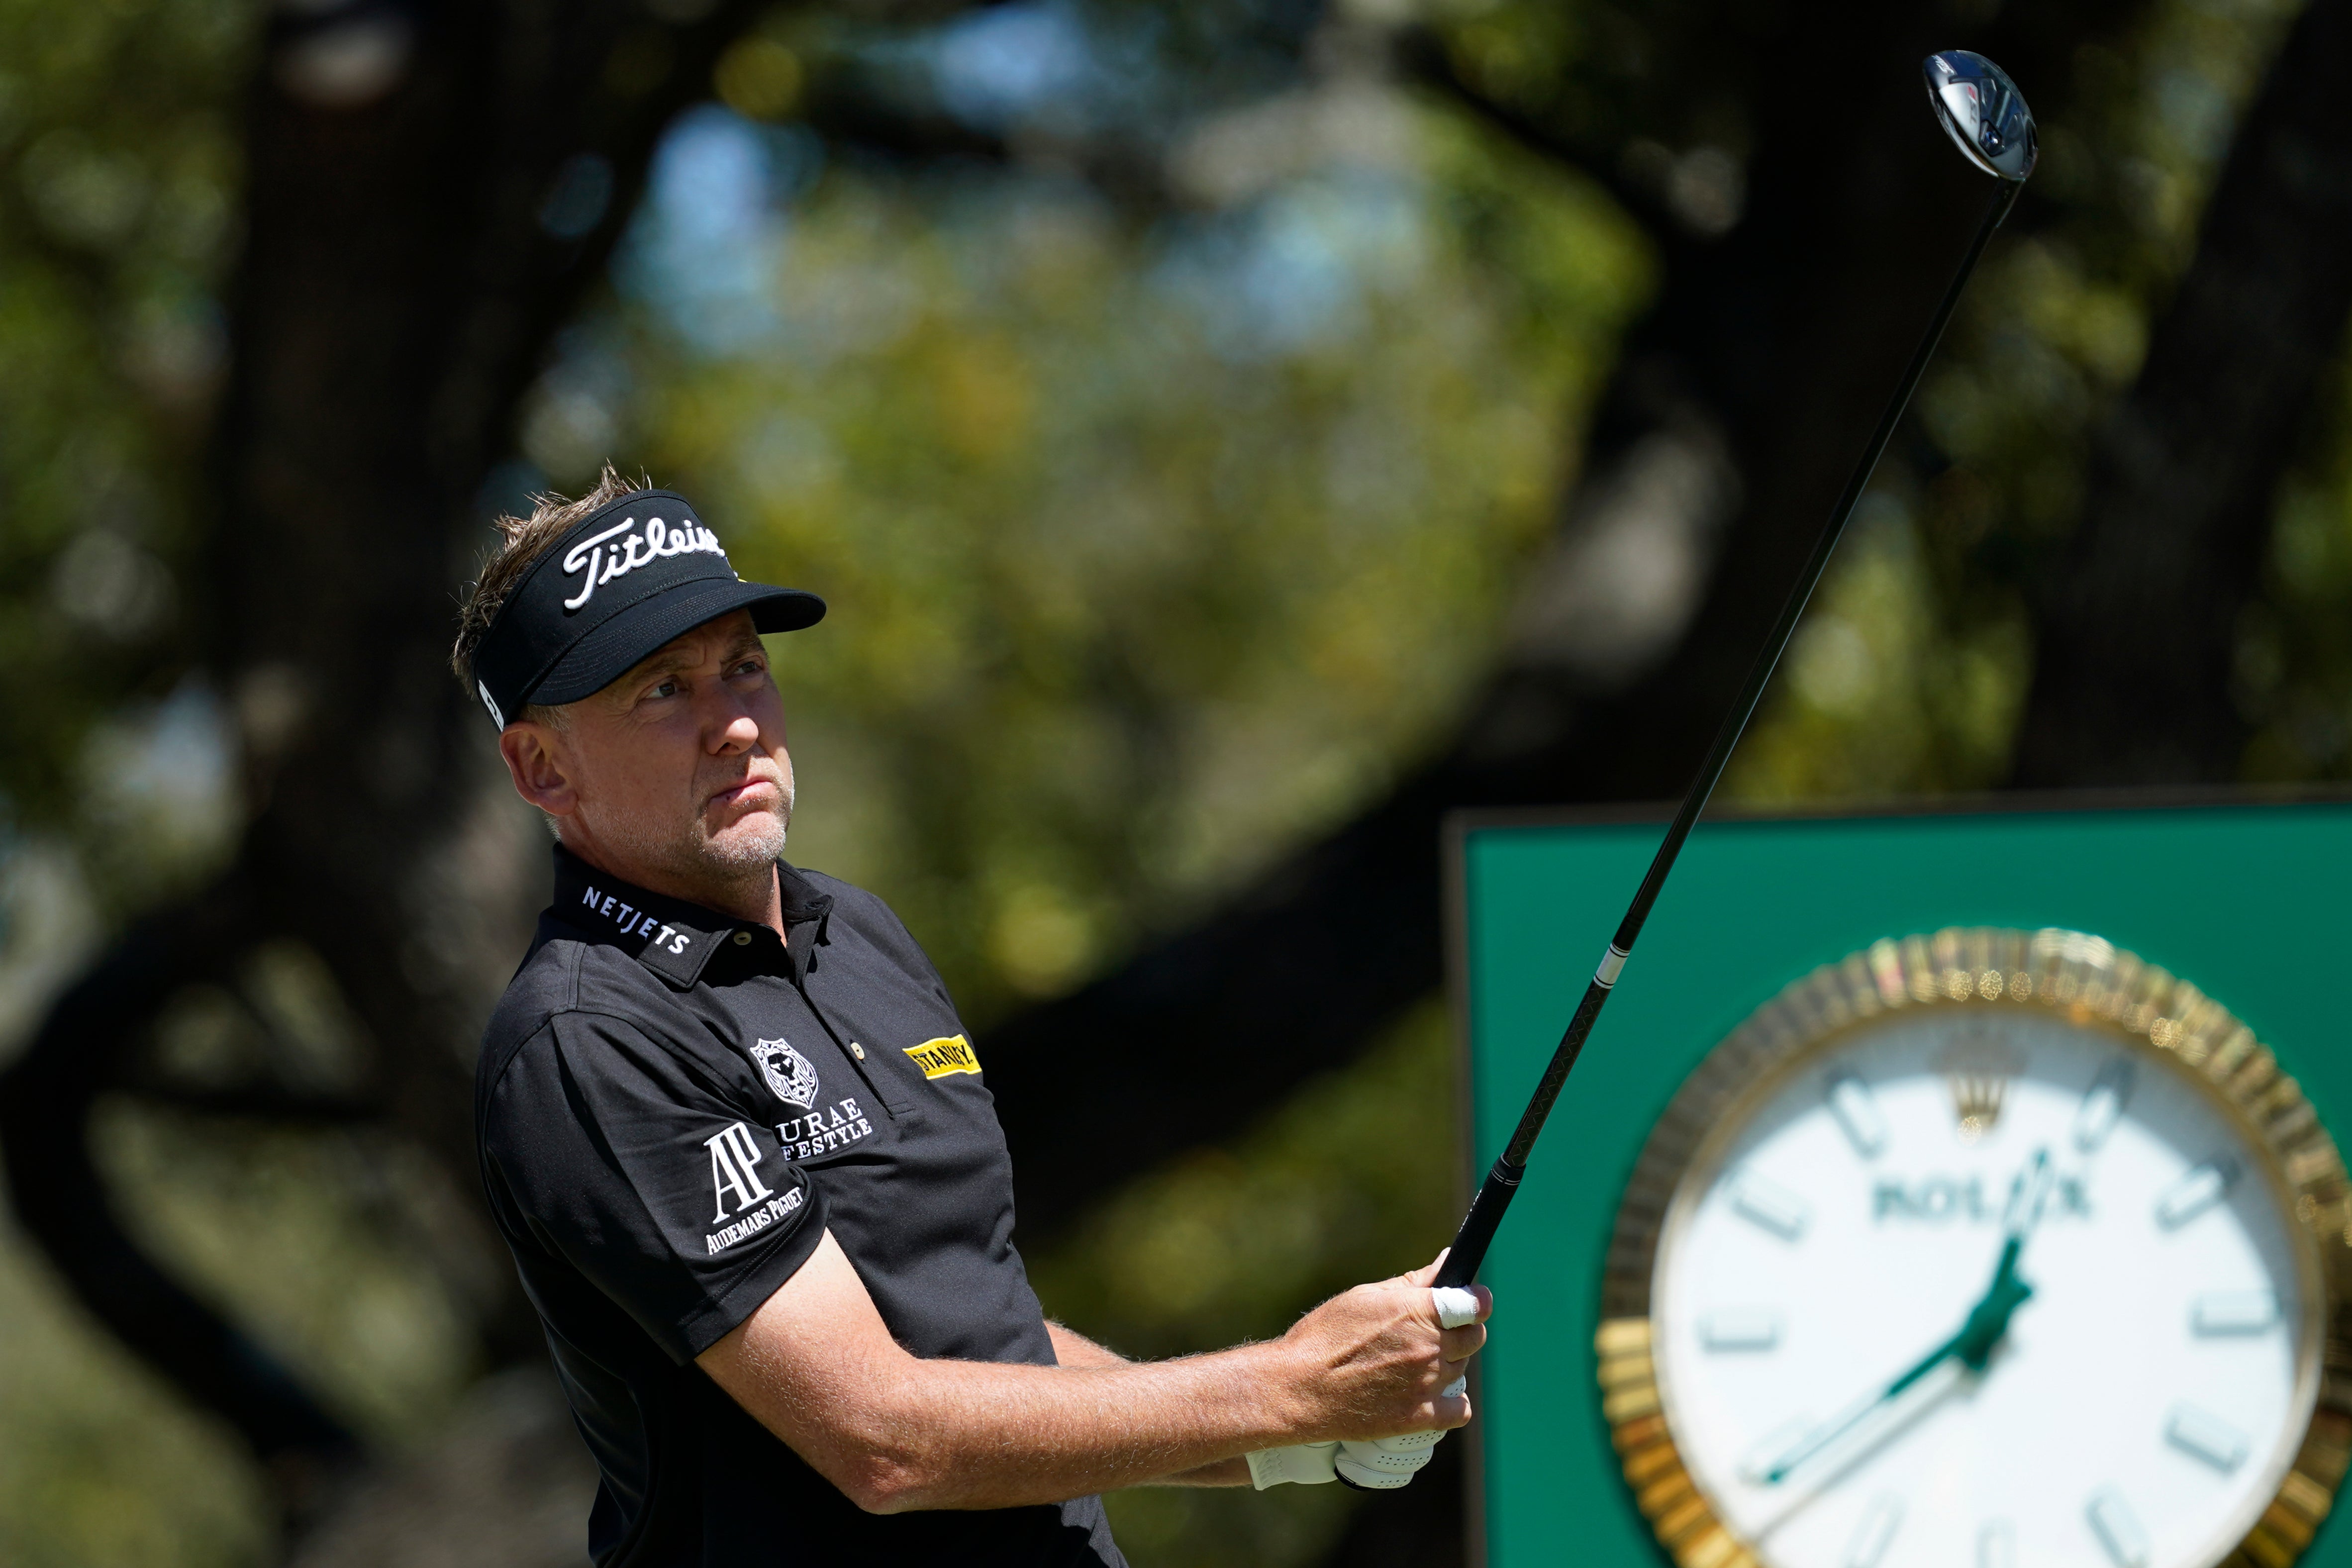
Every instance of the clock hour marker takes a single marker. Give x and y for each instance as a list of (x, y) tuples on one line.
[(1740, 1329), (1877, 1528), (1857, 1111), (2196, 1192), (2103, 1105), (2233, 1311), (2113, 1522), (1996, 1544), (2208, 1437), (1771, 1204)]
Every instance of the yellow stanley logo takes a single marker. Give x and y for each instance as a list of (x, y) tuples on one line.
[(938, 1059)]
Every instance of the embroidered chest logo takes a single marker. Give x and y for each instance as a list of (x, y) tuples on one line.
[(942, 1057), (824, 1130), (791, 1075)]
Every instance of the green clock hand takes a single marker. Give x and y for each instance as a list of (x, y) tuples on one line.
[(1972, 1345), (1989, 1318)]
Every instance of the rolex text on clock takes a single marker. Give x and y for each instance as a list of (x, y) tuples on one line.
[(1983, 1249)]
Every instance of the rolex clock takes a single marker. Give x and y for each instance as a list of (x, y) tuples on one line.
[(1983, 1249)]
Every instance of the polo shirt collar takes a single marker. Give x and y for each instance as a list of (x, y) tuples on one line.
[(672, 937)]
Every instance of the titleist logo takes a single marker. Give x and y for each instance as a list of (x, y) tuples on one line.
[(601, 559)]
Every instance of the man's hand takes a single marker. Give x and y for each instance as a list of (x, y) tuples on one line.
[(1377, 1362), (1386, 1462)]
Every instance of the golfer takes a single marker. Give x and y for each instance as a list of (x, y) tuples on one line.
[(746, 1157)]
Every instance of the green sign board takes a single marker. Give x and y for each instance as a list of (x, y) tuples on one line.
[(2249, 902)]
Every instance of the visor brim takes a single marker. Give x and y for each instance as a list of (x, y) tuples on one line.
[(615, 649)]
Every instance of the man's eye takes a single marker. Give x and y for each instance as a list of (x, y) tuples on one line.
[(667, 689)]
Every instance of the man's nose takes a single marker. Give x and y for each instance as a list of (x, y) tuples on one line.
[(732, 730), (741, 734)]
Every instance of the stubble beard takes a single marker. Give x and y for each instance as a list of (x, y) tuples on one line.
[(734, 868)]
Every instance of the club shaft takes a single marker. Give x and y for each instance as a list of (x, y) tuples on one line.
[(1502, 1182)]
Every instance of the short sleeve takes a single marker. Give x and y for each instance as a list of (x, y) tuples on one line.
[(647, 1180)]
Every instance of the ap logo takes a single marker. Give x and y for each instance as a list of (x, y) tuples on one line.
[(788, 1072)]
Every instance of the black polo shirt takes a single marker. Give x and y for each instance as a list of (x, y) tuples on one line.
[(673, 1106)]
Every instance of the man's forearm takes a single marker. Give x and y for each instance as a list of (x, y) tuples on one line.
[(948, 1433), (1072, 1348), (817, 1365), (970, 1435), (896, 1433)]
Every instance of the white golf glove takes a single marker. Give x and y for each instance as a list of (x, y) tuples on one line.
[(1309, 1464), (1374, 1464)]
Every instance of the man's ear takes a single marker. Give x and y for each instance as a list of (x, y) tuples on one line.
[(539, 765)]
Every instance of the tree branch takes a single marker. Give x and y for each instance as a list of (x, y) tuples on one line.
[(256, 1102), (61, 1198), (1424, 60)]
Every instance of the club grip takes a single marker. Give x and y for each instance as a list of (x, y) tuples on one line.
[(1470, 1243)]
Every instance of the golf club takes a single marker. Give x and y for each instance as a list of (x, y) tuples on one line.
[(1984, 113)]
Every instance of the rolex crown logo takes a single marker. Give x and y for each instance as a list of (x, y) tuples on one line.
[(1977, 1066), (1976, 1100)]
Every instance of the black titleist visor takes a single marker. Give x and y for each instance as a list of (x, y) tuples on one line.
[(619, 583)]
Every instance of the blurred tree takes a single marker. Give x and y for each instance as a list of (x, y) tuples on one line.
[(426, 192), (2140, 621)]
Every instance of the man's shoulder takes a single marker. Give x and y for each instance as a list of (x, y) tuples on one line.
[(566, 972)]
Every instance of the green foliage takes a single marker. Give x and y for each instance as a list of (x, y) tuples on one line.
[(118, 190), (118, 184), (1877, 696), (346, 1253), (1348, 1180), (377, 1314), (365, 1315), (101, 1467)]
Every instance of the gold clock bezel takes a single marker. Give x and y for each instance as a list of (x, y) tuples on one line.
[(2084, 979)]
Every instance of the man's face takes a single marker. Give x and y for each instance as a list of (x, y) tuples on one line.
[(676, 776)]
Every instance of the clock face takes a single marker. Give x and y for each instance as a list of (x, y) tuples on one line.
[(2017, 1261), (2139, 1407)]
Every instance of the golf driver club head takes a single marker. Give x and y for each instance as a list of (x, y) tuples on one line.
[(1984, 113)]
